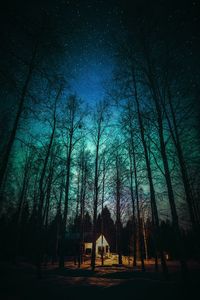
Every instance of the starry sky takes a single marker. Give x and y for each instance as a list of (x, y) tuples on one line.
[(91, 29), (98, 26), (95, 25)]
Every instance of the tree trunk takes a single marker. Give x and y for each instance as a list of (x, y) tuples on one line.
[(140, 235), (155, 218), (118, 209), (40, 225), (64, 220), (96, 194), (11, 140), (156, 97), (22, 198), (82, 205), (72, 126), (46, 212), (102, 204), (133, 208), (175, 136), (58, 224)]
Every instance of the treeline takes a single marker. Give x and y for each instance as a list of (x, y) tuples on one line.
[(28, 237)]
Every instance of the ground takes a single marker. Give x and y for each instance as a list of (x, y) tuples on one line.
[(19, 282)]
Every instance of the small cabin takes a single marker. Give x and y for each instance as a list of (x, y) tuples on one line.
[(102, 246)]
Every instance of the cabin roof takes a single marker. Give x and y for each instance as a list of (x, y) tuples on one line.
[(88, 238)]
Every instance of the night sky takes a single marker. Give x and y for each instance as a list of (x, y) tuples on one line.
[(91, 49), (91, 30), (88, 28)]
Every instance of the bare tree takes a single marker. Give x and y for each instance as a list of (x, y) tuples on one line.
[(42, 182), (9, 145), (84, 173), (22, 198), (73, 124), (149, 73), (118, 191), (174, 131), (97, 136)]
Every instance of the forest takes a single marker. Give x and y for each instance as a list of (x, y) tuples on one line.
[(99, 130)]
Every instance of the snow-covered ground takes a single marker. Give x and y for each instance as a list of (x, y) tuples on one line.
[(20, 282)]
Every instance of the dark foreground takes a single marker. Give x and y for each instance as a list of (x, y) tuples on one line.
[(20, 283)]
